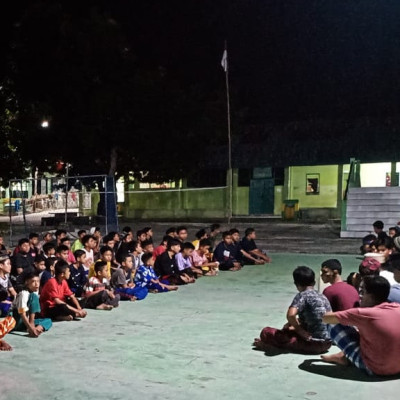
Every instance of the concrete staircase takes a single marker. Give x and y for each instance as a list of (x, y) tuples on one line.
[(366, 205)]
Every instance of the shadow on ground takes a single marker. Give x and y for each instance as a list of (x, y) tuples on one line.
[(318, 367), (193, 344)]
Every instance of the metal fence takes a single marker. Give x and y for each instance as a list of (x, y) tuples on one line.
[(70, 202)]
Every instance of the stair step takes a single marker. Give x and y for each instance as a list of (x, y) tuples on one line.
[(367, 205), (372, 210), (353, 234), (374, 215), (373, 196), (372, 207), (374, 202), (383, 189)]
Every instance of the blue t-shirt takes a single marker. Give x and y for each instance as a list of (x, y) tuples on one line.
[(144, 275), (394, 295), (311, 307)]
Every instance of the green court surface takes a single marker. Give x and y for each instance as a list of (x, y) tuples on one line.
[(195, 343)]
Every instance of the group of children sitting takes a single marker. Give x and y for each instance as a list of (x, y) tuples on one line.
[(360, 316), (56, 280)]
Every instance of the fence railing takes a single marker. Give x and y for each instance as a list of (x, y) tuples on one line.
[(47, 203)]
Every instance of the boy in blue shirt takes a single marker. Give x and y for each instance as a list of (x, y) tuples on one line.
[(225, 253), (122, 281), (147, 277), (78, 278)]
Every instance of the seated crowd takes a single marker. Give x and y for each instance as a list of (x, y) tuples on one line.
[(361, 316), (57, 279)]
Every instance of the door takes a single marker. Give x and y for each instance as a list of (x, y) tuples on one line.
[(261, 199)]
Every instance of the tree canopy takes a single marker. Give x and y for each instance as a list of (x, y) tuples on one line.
[(138, 86), (108, 112)]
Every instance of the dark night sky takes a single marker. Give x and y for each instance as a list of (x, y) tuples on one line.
[(291, 59)]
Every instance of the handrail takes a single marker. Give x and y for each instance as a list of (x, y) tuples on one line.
[(352, 163)]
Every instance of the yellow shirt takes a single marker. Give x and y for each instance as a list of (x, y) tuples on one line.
[(92, 271)]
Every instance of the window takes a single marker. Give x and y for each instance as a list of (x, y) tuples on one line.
[(312, 184)]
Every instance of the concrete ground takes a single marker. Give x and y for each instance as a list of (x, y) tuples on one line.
[(193, 344), (276, 235), (273, 234)]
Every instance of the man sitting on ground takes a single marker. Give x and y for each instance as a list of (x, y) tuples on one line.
[(249, 245), (305, 331), (374, 347), (341, 295)]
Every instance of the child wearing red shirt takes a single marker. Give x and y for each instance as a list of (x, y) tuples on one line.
[(57, 300)]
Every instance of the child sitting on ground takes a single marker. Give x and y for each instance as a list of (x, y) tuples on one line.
[(67, 242), (106, 255), (243, 256), (26, 306), (161, 248), (49, 250), (171, 232), (200, 259), (249, 245), (378, 229), (134, 249), (21, 261), (201, 234), (97, 292), (184, 262), (384, 247), (57, 300), (40, 264), (149, 233), (48, 273), (3, 248), (62, 252), (367, 243), (122, 281), (78, 277), (146, 276), (393, 231), (304, 332), (369, 266), (215, 230), (6, 288), (225, 253), (147, 246), (166, 267)]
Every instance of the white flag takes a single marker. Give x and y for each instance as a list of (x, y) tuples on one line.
[(224, 61)]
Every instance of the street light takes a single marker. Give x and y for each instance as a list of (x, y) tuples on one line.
[(45, 123)]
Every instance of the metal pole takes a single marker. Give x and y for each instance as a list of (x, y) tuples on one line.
[(66, 194), (230, 188), (106, 203), (10, 211)]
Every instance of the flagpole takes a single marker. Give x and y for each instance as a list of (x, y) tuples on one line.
[(228, 107)]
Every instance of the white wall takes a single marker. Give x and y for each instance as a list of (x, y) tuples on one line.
[(374, 175)]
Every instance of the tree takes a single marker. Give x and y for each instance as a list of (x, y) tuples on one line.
[(12, 165), (109, 113)]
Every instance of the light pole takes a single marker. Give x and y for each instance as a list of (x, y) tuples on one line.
[(67, 166)]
